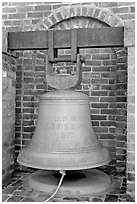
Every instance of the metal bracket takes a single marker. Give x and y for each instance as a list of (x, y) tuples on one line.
[(64, 81)]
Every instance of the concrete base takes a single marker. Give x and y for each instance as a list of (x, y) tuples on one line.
[(76, 183)]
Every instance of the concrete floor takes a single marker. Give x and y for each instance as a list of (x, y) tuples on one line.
[(14, 191)]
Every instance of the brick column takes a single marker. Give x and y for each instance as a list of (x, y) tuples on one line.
[(130, 42), (8, 113)]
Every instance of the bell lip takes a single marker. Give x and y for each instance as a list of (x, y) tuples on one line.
[(80, 167)]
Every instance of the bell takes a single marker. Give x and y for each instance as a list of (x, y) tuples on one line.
[(64, 140), (64, 137)]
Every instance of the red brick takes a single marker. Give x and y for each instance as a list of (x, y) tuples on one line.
[(7, 23), (121, 10), (59, 16), (103, 68), (108, 87), (127, 16), (17, 16), (9, 10), (29, 74), (28, 98), (98, 117), (86, 68), (42, 7), (28, 86), (109, 62), (121, 99), (28, 104), (78, 10), (108, 111), (27, 116), (28, 110), (35, 15), (84, 11), (107, 123), (90, 11), (28, 129), (101, 56), (106, 136), (89, 75), (47, 23), (99, 105), (108, 99), (93, 62), (98, 93), (24, 8), (121, 118), (101, 129), (99, 81), (28, 80)]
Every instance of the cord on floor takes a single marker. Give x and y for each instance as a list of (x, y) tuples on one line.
[(60, 182)]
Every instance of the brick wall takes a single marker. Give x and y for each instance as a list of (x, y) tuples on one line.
[(8, 114), (104, 73)]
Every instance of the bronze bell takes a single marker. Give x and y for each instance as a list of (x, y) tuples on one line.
[(64, 138)]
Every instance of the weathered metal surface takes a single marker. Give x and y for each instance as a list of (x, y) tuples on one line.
[(86, 38), (64, 136), (64, 81)]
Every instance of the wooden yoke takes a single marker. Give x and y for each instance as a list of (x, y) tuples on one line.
[(53, 52)]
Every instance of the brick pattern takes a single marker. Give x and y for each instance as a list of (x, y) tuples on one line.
[(121, 114), (108, 98), (131, 123), (8, 116)]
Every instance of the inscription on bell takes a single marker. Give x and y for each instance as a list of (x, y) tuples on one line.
[(65, 118), (62, 126)]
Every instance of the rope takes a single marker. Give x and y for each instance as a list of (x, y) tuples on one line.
[(60, 182)]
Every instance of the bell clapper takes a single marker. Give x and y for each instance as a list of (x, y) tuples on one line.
[(63, 172)]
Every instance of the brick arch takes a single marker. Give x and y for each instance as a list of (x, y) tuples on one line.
[(85, 11)]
